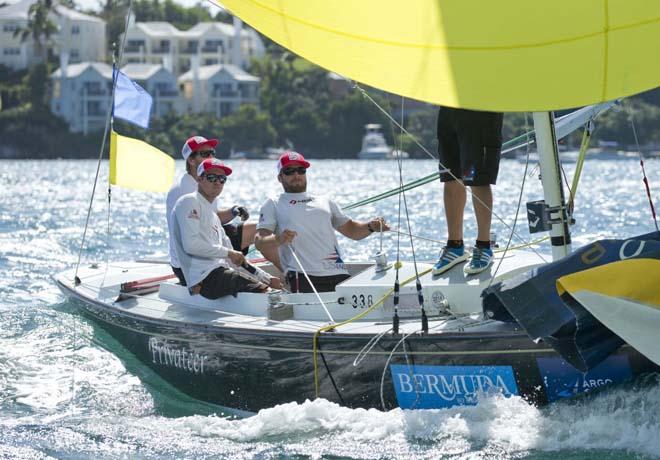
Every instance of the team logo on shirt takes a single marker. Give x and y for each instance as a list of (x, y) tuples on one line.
[(334, 260), (193, 214), (306, 200)]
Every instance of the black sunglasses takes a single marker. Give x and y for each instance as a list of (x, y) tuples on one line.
[(216, 178), (206, 153), (291, 171)]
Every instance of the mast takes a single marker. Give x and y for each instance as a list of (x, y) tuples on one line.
[(553, 192)]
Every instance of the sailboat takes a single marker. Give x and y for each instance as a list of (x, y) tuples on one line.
[(449, 346)]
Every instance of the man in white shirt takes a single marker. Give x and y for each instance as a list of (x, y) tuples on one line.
[(209, 263), (305, 224), (194, 151)]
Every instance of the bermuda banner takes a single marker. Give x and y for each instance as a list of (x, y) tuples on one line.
[(561, 380), (434, 387)]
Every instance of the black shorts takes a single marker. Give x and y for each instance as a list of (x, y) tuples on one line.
[(298, 282), (469, 145), (225, 281), (235, 234)]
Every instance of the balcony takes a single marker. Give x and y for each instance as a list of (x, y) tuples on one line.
[(189, 50), (95, 92), (210, 48), (224, 94), (167, 93), (165, 50), (133, 49)]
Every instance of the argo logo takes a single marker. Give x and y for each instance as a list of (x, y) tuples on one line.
[(431, 387), (561, 380)]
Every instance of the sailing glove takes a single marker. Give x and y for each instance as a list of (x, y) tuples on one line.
[(240, 211)]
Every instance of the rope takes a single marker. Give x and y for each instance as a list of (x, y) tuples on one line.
[(584, 145), (332, 379), (310, 283), (348, 321)]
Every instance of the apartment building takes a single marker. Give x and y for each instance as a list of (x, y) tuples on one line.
[(80, 36), (82, 92), (209, 42), (218, 89)]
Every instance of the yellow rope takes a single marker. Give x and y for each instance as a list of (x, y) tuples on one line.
[(374, 306), (348, 321)]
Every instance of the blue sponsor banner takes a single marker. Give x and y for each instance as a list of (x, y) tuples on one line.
[(561, 380), (433, 387)]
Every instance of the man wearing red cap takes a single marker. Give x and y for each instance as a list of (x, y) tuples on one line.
[(209, 263), (305, 224), (194, 151)]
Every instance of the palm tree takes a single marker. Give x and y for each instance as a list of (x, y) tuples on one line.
[(39, 27)]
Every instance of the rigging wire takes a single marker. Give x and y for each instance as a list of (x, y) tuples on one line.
[(515, 218), (629, 111), (467, 189)]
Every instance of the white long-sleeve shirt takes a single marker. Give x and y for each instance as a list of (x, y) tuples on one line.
[(200, 242), (185, 185)]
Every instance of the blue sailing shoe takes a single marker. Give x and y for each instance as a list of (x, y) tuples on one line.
[(480, 261), (448, 258)]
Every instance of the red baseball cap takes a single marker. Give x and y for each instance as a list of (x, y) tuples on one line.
[(290, 157), (196, 143), (210, 164)]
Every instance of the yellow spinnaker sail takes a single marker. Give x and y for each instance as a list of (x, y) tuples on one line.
[(503, 55), (136, 164)]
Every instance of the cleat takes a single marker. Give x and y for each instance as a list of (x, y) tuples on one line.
[(480, 261), (448, 258)]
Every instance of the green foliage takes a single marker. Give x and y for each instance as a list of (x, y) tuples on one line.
[(179, 16), (39, 27), (37, 84), (246, 130)]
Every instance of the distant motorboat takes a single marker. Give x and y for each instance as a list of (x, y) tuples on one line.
[(374, 146)]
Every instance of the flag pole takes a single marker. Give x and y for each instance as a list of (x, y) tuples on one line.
[(108, 119)]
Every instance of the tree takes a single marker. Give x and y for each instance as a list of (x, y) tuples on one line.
[(246, 129), (39, 27)]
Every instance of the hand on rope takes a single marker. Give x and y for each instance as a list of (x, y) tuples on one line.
[(378, 225), (286, 237)]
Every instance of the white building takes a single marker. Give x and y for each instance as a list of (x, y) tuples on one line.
[(160, 83), (82, 92), (80, 36), (210, 42), (218, 89)]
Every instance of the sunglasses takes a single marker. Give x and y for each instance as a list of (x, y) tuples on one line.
[(205, 153), (290, 171), (216, 178)]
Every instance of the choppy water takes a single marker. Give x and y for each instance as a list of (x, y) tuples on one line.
[(119, 409)]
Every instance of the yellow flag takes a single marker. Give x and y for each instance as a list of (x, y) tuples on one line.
[(136, 164), (501, 55)]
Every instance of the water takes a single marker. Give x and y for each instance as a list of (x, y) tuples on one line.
[(119, 409)]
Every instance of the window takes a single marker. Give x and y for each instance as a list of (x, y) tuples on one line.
[(11, 52), (75, 30), (10, 27), (225, 108), (74, 54)]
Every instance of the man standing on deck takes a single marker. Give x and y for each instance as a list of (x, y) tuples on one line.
[(304, 224), (469, 146), (194, 151), (208, 261)]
